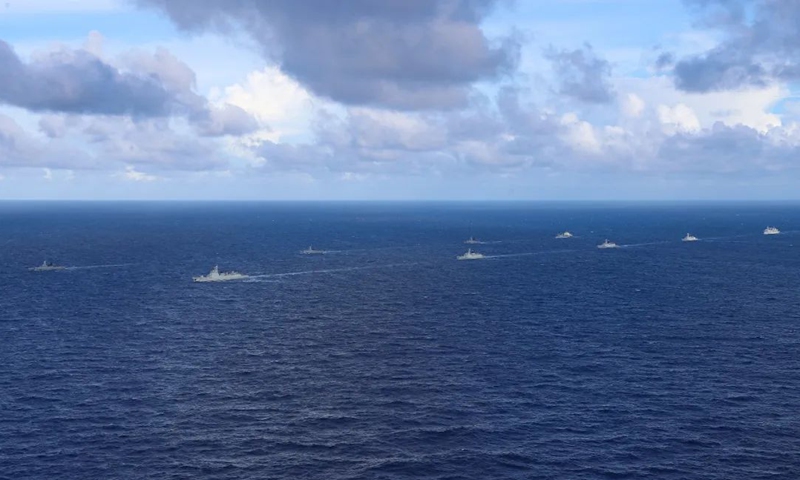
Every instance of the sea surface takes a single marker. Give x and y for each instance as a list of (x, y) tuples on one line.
[(386, 358)]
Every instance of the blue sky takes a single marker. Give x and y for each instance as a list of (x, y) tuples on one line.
[(384, 100)]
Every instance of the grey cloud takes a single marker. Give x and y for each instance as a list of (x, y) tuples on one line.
[(503, 136), (107, 143), (726, 149), (166, 68), (512, 136), (536, 133), (13, 144), (508, 137), (718, 70), (320, 160), (286, 157), (665, 60), (173, 75), (19, 149), (481, 124), (582, 74), (226, 120), (754, 52), (407, 54), (421, 135), (525, 120), (57, 126), (153, 143), (719, 13), (53, 126), (78, 82)]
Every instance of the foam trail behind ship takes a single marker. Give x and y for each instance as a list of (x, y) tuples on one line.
[(91, 267), (356, 250), (744, 235), (647, 244), (529, 254), (266, 276)]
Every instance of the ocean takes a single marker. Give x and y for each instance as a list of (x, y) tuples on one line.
[(386, 358)]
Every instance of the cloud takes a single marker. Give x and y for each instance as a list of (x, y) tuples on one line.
[(581, 74), (76, 81), (760, 46), (155, 143), (751, 107), (57, 126), (512, 136), (665, 60), (719, 70), (278, 123), (632, 105), (679, 118), (110, 143), (409, 54), (506, 136), (224, 120), (282, 107), (136, 176), (729, 150), (14, 144), (580, 134), (394, 130), (20, 149), (145, 86)]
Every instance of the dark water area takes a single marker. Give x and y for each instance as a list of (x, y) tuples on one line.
[(387, 358)]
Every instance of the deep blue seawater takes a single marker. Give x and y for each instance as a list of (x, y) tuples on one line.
[(389, 359)]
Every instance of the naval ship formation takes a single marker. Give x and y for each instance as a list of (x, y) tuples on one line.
[(216, 276)]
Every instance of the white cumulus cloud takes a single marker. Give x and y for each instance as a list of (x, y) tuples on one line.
[(134, 175)]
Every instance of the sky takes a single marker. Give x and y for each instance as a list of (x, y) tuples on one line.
[(400, 99)]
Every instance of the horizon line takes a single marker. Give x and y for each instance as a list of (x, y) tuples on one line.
[(376, 201)]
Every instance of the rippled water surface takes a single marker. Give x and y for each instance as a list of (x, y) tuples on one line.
[(386, 358)]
